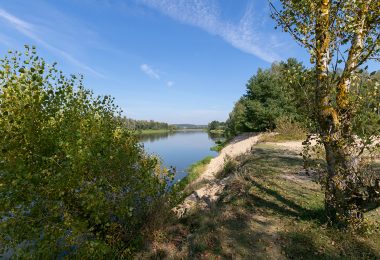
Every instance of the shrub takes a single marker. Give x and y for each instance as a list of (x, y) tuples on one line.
[(73, 181), (289, 129), (230, 165)]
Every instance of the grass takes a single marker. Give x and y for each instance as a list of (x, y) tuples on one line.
[(193, 173), (286, 131), (229, 167), (272, 137), (219, 145), (266, 211)]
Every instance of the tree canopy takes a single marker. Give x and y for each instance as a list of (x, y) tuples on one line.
[(270, 96)]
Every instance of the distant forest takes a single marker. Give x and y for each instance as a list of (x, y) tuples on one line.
[(146, 124)]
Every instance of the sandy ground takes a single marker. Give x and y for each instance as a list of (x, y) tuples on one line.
[(238, 146)]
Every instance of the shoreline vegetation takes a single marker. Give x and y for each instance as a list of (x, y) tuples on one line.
[(217, 128), (161, 131), (146, 127), (219, 145), (153, 131), (217, 132), (194, 171)]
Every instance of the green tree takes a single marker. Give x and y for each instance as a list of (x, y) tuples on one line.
[(266, 100), (215, 125), (270, 95), (368, 123), (145, 125), (73, 180), (235, 123), (337, 34)]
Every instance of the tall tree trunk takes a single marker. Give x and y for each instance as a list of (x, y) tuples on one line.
[(343, 203), (341, 165), (344, 206)]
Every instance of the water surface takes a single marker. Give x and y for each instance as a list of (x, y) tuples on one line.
[(179, 149)]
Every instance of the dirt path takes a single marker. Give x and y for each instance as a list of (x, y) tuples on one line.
[(209, 192)]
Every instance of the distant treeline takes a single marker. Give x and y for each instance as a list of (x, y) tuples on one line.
[(146, 124), (190, 126)]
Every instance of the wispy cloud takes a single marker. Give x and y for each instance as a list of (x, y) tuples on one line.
[(155, 74), (15, 21), (150, 71), (169, 83), (205, 14), (29, 30)]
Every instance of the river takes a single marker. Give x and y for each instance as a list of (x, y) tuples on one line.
[(179, 149)]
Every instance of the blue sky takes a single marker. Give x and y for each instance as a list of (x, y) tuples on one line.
[(184, 61)]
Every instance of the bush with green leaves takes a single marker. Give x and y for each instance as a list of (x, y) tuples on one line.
[(73, 181), (289, 130)]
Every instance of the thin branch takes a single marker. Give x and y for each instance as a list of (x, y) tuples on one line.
[(348, 68), (335, 14), (288, 27), (335, 68), (370, 52)]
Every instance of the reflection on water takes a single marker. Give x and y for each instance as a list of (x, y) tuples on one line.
[(216, 137), (155, 136), (180, 149)]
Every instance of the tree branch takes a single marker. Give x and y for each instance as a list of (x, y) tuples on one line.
[(288, 27)]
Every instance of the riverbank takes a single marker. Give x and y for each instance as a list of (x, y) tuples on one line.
[(184, 187), (154, 131), (163, 131), (206, 188), (217, 131), (267, 208)]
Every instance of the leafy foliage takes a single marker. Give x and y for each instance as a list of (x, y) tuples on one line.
[(366, 122), (270, 95), (216, 126), (73, 179)]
